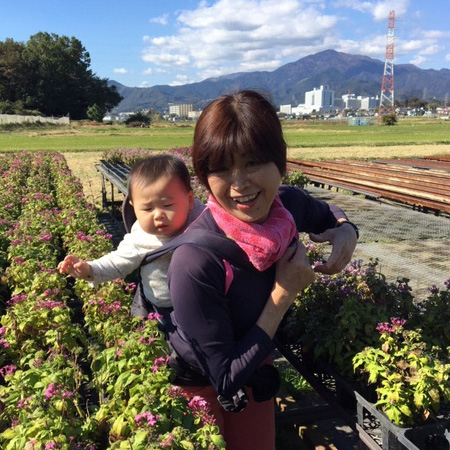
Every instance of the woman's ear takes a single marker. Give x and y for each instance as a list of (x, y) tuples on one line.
[(191, 199)]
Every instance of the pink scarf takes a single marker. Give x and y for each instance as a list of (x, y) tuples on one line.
[(264, 243)]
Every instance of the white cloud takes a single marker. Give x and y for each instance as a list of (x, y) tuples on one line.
[(182, 79), (447, 57), (143, 84), (430, 49), (418, 60), (120, 70), (161, 20), (378, 9), (242, 35), (149, 71)]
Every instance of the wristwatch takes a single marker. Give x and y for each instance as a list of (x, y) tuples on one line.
[(351, 224)]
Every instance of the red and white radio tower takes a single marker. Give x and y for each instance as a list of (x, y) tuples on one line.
[(387, 85)]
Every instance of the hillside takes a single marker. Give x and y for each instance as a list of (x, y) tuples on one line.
[(287, 84)]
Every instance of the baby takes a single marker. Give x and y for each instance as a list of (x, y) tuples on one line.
[(160, 193)]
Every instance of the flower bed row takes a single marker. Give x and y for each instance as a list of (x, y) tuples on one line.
[(373, 332), (76, 370)]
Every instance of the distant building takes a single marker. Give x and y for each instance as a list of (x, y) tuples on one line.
[(351, 101), (181, 110), (286, 109), (318, 100), (194, 115)]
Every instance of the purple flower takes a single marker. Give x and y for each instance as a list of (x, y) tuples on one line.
[(433, 289), (447, 283), (200, 408), (23, 402), (52, 390), (154, 316), (396, 322), (384, 327), (46, 237), (15, 299), (51, 445), (167, 442), (49, 304), (176, 392), (147, 417), (7, 370)]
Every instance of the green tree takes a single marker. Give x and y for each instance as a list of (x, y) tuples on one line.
[(389, 119), (12, 70), (139, 117), (55, 77), (95, 113)]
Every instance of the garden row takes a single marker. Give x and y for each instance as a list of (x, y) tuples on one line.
[(77, 372)]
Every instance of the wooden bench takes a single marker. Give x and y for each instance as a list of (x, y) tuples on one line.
[(114, 178)]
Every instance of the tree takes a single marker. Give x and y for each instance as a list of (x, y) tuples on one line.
[(55, 77), (389, 119), (139, 117), (12, 70), (95, 113)]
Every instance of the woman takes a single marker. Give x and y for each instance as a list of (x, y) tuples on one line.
[(226, 314)]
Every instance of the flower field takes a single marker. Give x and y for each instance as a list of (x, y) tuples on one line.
[(77, 372)]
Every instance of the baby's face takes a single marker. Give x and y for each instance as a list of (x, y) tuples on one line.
[(162, 207)]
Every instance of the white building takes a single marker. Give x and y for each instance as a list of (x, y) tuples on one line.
[(181, 110), (321, 99), (286, 109), (351, 101), (194, 115)]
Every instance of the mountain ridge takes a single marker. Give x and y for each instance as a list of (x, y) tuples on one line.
[(342, 72)]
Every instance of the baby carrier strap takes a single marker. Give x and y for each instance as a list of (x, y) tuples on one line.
[(217, 243), (220, 245), (128, 215)]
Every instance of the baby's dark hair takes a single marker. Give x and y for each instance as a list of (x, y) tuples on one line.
[(150, 169)]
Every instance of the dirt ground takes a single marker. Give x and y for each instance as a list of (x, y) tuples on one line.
[(82, 166)]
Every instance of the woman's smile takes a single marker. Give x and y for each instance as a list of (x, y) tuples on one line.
[(244, 188)]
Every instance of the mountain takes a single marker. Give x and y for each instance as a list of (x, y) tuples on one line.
[(342, 72)]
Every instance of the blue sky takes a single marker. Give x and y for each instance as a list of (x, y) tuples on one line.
[(152, 42)]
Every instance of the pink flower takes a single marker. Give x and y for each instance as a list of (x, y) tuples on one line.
[(7, 370), (50, 304), (52, 390), (396, 322), (46, 237), (166, 443), (51, 445), (154, 316), (201, 408), (176, 392), (23, 402), (147, 417), (19, 298)]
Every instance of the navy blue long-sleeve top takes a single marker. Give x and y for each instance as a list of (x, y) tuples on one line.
[(217, 331)]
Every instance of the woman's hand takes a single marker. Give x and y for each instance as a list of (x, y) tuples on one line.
[(75, 267), (343, 239), (293, 274)]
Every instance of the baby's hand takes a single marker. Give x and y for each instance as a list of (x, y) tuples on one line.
[(75, 267)]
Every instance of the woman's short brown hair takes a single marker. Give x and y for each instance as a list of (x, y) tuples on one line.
[(243, 121)]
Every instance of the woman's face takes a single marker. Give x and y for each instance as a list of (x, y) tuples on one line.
[(245, 187)]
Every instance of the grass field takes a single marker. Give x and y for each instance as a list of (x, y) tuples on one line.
[(83, 137), (83, 143)]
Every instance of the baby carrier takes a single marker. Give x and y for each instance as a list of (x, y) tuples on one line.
[(222, 246), (266, 380)]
